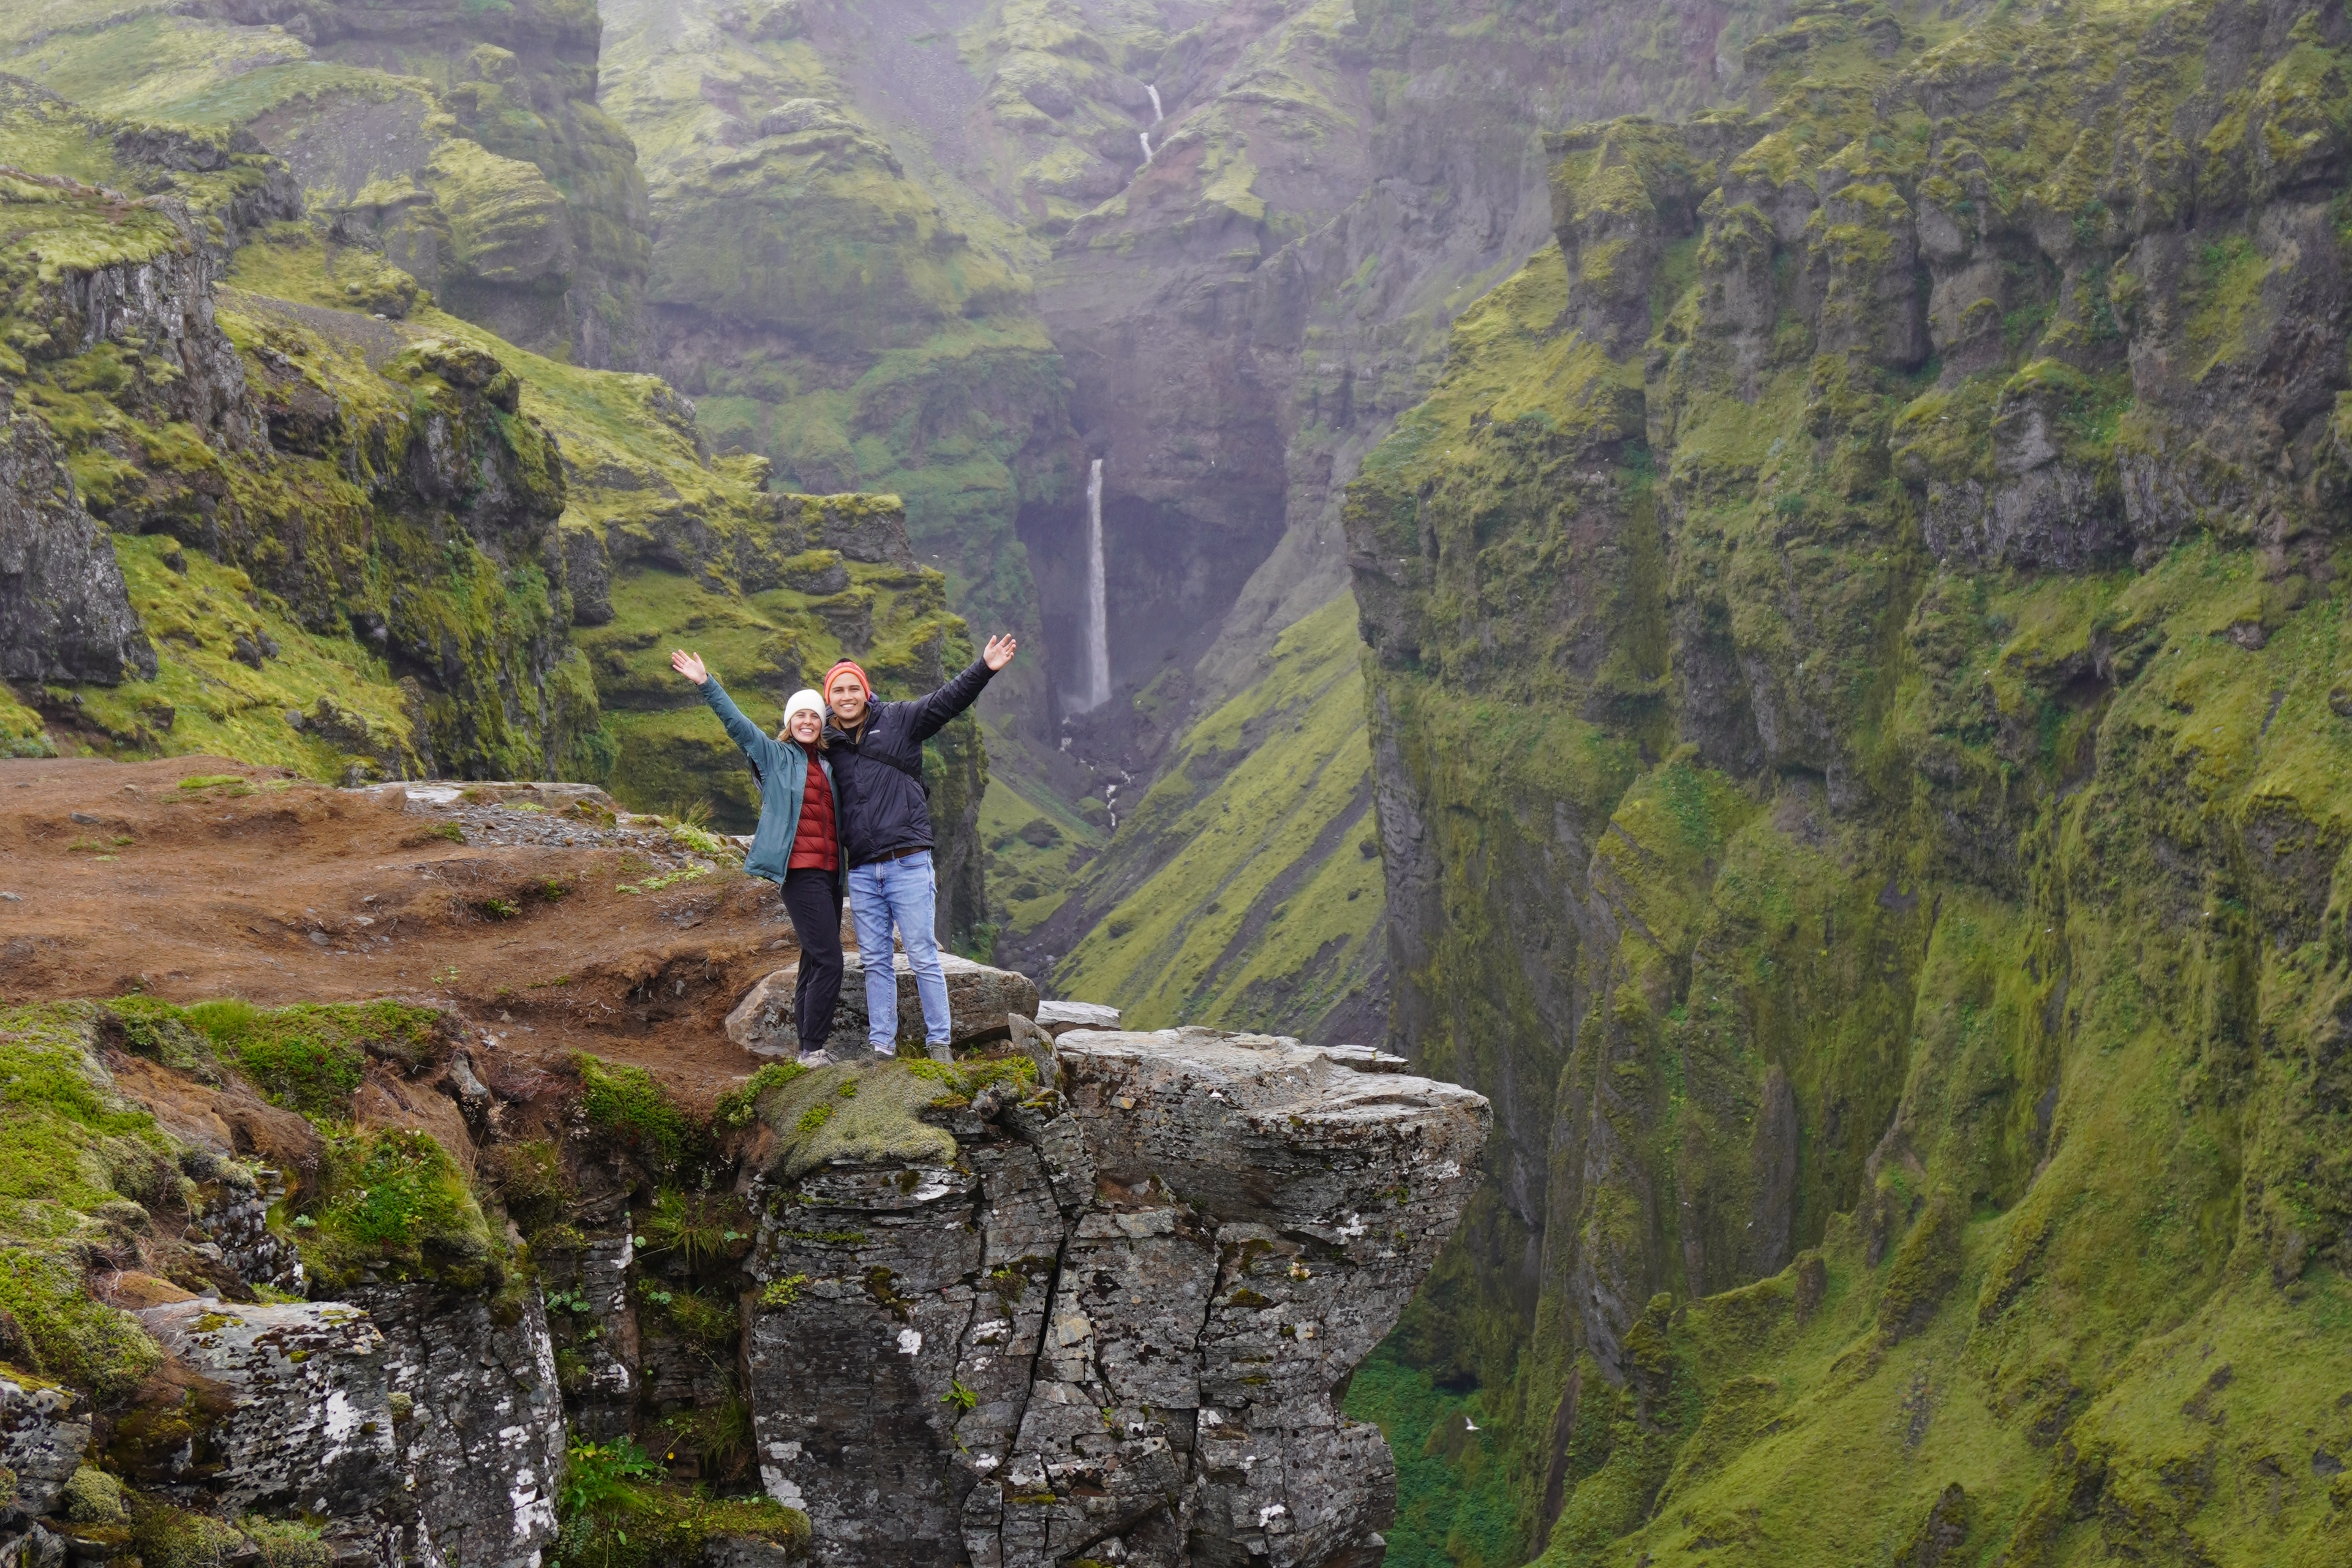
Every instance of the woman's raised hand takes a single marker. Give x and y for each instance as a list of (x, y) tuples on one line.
[(1000, 650), (689, 665)]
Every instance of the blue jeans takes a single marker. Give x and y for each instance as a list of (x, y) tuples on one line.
[(907, 893)]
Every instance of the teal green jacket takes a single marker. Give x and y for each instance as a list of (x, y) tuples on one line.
[(782, 768)]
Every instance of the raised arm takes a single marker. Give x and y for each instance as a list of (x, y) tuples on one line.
[(932, 712), (755, 742)]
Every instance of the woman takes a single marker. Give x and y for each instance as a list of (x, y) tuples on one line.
[(797, 844)]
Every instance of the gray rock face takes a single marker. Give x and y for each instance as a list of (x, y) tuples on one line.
[(1114, 1326), (41, 1442), (65, 611), (980, 999), (310, 1428), (482, 1444)]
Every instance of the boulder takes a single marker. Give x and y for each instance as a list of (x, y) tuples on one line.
[(1109, 1321), (980, 1001), (1055, 1017)]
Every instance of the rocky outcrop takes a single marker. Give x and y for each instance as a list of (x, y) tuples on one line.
[(477, 1420), (42, 1438), (308, 1423), (1109, 1320), (64, 614)]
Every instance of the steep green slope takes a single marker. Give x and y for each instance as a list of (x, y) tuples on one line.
[(1244, 889), (268, 526), (1856, 697)]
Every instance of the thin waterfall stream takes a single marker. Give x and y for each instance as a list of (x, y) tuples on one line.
[(1156, 115), (1098, 612)]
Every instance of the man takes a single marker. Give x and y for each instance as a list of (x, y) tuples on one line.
[(886, 833)]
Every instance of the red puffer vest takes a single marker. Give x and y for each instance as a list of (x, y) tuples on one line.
[(817, 843)]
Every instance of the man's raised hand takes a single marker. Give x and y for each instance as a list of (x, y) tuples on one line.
[(689, 665), (1000, 650)]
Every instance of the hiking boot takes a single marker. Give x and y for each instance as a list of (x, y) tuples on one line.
[(816, 1059)]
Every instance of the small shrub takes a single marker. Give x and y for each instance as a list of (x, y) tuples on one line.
[(498, 908), (782, 1293), (816, 1116), (392, 1199), (704, 1227), (628, 1106), (597, 1479), (167, 1537)]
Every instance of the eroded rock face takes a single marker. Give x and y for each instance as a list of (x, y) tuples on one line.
[(309, 1425), (1114, 1324), (41, 1442), (65, 611), (482, 1440)]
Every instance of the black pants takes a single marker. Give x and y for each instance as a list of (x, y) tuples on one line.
[(813, 900)]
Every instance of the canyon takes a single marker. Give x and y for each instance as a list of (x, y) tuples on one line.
[(1757, 586)]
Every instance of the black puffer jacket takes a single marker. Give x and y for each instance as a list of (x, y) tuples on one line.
[(878, 777)]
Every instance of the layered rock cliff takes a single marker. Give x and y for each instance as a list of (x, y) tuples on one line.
[(1856, 720)]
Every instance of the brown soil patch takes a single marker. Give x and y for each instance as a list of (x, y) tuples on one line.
[(279, 890)]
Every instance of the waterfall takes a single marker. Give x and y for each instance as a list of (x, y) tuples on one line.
[(1097, 615), (1156, 115), (1145, 137)]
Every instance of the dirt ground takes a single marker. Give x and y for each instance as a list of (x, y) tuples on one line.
[(542, 922)]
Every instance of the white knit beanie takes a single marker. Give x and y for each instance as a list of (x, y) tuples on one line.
[(804, 698)]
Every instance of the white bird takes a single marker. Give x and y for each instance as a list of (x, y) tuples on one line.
[(1468, 1425)]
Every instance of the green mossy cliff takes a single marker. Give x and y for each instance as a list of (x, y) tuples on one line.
[(241, 517), (1857, 684), (459, 138)]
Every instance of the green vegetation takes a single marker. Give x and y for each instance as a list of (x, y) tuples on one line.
[(616, 1513), (702, 1227), (1455, 1501), (882, 1120), (528, 1177), (737, 1106), (1887, 878), (391, 1203), (307, 1058), (1239, 893), (625, 1104)]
